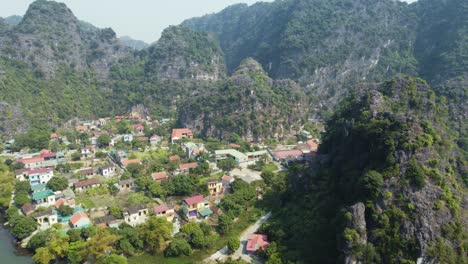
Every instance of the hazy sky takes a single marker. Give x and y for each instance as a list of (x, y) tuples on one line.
[(140, 19)]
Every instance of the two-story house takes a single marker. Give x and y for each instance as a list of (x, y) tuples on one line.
[(45, 219), (107, 171), (164, 210), (136, 215), (215, 187), (40, 176), (195, 204)]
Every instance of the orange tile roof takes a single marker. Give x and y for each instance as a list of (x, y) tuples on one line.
[(159, 176), (178, 133), (77, 217), (188, 165), (132, 161)]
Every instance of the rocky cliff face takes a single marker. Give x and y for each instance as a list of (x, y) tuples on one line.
[(183, 54), (249, 104), (49, 36)]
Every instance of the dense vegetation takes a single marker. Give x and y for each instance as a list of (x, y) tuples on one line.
[(388, 148)]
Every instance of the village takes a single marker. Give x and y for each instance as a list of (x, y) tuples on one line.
[(125, 169)]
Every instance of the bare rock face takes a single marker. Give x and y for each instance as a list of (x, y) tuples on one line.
[(358, 223)]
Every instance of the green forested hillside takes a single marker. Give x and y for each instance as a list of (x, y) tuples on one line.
[(387, 187)]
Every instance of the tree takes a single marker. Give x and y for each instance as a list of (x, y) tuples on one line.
[(43, 256), (103, 140), (57, 183), (233, 244), (38, 240), (227, 164), (23, 227), (22, 198), (101, 243), (74, 234), (22, 186), (65, 210), (225, 223), (135, 169), (372, 183), (157, 190), (115, 211), (155, 232), (111, 259), (177, 247), (76, 156), (183, 184), (196, 235), (77, 252)]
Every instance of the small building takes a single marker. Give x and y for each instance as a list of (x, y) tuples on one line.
[(63, 201), (28, 209), (107, 221), (80, 220), (53, 136), (107, 171), (38, 187), (138, 128), (86, 172), (44, 198), (127, 138), (193, 150), (68, 194), (86, 153), (45, 219), (288, 155), (159, 176), (256, 242), (238, 156), (87, 184), (82, 128), (40, 176), (126, 185), (215, 187), (121, 156), (125, 163), (155, 140), (186, 167), (136, 215), (163, 210), (181, 133), (22, 174), (194, 204), (258, 155), (227, 181)]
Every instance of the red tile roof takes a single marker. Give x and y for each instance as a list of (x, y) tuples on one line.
[(48, 155), (30, 160), (174, 158), (40, 171), (178, 133), (77, 217), (188, 165), (194, 199), (227, 178), (160, 208), (312, 144), (138, 127), (28, 208), (155, 137), (158, 176), (132, 161), (256, 241), (232, 145), (86, 183), (283, 154), (21, 171)]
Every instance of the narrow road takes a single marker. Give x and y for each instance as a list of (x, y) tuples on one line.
[(241, 252)]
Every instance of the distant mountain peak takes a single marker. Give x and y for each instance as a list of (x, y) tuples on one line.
[(133, 43)]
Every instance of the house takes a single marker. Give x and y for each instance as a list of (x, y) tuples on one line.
[(256, 242), (126, 185), (193, 205), (155, 140), (27, 209), (53, 136), (138, 128), (101, 122), (63, 201), (107, 171), (82, 128), (45, 219), (288, 155), (86, 153), (163, 210), (32, 163), (87, 184), (39, 187), (80, 220), (42, 160), (136, 215), (107, 221), (185, 168), (192, 150), (68, 194), (257, 155), (174, 158), (44, 198), (227, 181), (22, 174), (86, 172), (121, 156), (313, 145), (238, 156), (159, 176), (234, 146), (125, 163), (215, 187), (40, 176), (180, 133), (127, 138)]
